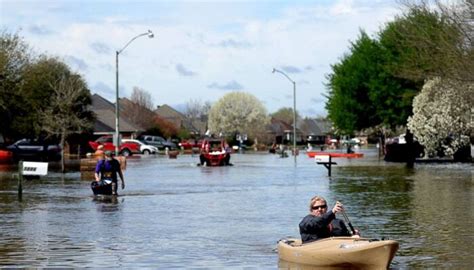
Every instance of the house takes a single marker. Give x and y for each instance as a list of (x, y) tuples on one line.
[(105, 122), (179, 120), (316, 131), (282, 132), (137, 114)]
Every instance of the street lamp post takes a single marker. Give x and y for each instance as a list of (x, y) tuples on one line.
[(117, 113), (294, 109)]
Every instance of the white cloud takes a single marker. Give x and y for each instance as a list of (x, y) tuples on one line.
[(228, 44), (184, 71), (231, 86)]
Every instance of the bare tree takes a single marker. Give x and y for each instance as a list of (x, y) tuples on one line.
[(142, 98), (195, 109), (67, 113), (139, 109)]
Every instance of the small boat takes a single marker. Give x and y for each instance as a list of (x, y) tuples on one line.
[(344, 252), (214, 152), (312, 154)]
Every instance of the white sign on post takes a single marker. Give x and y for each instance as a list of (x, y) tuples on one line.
[(321, 159), (35, 168)]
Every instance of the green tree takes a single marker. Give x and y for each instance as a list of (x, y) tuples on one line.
[(433, 40), (285, 114), (238, 112), (376, 82), (15, 57), (348, 103), (362, 92), (36, 90)]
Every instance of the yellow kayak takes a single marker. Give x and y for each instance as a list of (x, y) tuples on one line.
[(339, 252)]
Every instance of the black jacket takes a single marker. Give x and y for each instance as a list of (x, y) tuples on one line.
[(313, 228)]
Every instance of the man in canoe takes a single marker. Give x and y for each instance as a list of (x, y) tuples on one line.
[(321, 223)]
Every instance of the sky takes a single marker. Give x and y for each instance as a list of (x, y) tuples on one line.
[(201, 50)]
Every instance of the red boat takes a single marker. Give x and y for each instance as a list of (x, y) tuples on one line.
[(312, 154), (214, 152)]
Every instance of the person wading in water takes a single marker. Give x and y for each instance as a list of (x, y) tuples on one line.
[(107, 169)]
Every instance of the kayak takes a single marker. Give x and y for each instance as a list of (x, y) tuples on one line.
[(344, 252), (312, 154)]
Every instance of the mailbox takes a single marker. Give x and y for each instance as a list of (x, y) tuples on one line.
[(34, 168), (321, 159)]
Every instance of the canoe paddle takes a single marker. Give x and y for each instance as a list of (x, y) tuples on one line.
[(346, 218)]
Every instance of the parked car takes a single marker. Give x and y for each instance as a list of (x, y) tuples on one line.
[(190, 144), (35, 150), (158, 141), (145, 149), (126, 149)]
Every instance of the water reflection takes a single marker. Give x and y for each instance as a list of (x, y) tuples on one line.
[(107, 203), (174, 214)]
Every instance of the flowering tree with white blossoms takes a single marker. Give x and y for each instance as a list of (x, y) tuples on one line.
[(238, 112), (441, 115)]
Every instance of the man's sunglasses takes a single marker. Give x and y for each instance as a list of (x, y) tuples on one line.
[(316, 207)]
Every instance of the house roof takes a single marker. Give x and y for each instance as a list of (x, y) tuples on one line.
[(166, 111), (105, 114), (278, 126), (136, 114), (179, 119), (316, 126)]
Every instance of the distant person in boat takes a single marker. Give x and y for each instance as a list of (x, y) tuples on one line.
[(272, 149), (227, 150), (321, 223), (349, 149), (107, 169), (204, 150)]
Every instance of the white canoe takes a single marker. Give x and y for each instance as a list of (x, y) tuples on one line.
[(360, 253)]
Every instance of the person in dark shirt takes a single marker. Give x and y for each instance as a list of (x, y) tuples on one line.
[(107, 169), (321, 223)]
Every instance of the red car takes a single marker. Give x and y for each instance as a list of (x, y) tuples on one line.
[(190, 144), (126, 148)]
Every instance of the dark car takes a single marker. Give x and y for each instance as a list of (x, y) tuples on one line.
[(35, 150), (158, 141)]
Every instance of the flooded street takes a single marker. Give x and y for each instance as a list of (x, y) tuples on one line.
[(173, 214)]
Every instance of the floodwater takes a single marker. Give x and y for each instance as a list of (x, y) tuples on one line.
[(174, 214)]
